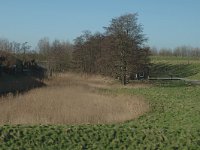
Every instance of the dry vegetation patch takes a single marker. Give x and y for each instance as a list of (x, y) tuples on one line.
[(71, 99)]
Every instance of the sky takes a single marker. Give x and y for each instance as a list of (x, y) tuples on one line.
[(166, 23)]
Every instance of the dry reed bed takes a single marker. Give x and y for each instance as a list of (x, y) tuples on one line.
[(71, 99)]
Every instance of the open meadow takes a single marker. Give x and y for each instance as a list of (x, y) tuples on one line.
[(183, 67)]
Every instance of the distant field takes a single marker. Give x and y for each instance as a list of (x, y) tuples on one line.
[(175, 60), (172, 122), (183, 67)]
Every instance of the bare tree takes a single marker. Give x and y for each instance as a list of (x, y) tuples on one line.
[(44, 48), (129, 38), (119, 51), (5, 45), (57, 54)]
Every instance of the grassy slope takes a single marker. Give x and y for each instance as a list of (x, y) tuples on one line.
[(195, 77), (175, 66), (173, 123)]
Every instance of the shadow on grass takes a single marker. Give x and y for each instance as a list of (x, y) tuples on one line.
[(171, 83), (175, 70), (18, 84)]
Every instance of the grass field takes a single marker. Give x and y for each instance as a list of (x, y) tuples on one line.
[(175, 60), (182, 67), (172, 121)]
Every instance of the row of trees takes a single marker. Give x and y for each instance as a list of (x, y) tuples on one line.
[(21, 51), (119, 51), (57, 53), (182, 51), (12, 47)]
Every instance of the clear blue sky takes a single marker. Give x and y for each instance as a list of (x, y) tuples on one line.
[(167, 23)]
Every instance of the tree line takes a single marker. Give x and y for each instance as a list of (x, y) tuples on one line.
[(181, 51), (57, 53), (20, 54), (119, 51)]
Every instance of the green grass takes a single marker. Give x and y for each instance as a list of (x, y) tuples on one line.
[(175, 60), (172, 123), (181, 67), (195, 77)]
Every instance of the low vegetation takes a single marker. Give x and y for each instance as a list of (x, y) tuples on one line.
[(71, 99), (172, 123), (171, 66)]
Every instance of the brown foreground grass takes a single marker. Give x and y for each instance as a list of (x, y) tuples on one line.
[(71, 99)]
